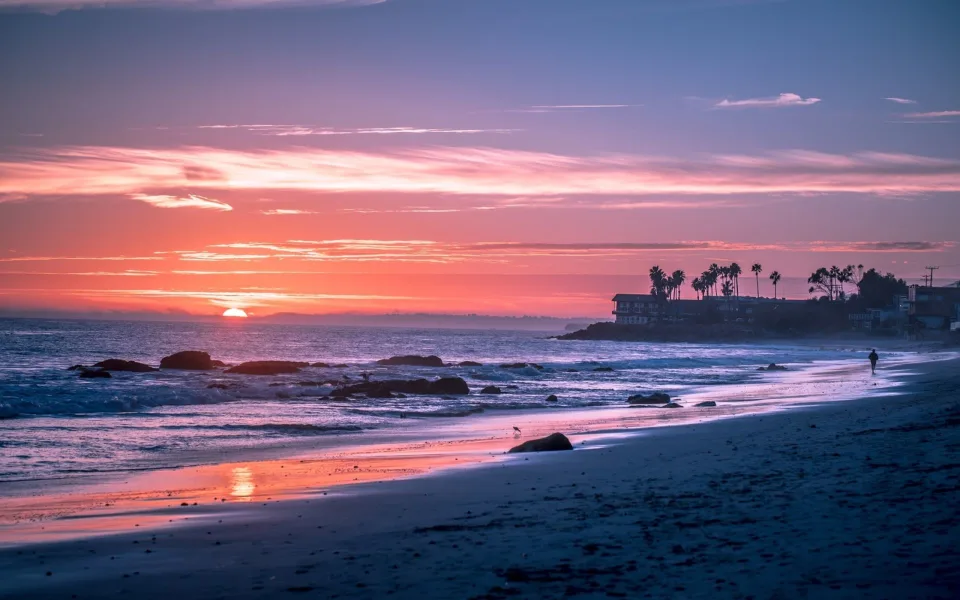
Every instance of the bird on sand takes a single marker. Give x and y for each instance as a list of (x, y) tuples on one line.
[(517, 429)]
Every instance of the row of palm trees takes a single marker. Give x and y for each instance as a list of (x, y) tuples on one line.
[(830, 282), (715, 281)]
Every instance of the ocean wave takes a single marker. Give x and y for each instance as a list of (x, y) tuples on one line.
[(412, 414)]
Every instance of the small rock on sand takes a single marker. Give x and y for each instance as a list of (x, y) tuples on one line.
[(654, 398), (553, 442), (706, 404)]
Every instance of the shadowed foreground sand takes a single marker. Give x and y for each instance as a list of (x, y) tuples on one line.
[(857, 499)]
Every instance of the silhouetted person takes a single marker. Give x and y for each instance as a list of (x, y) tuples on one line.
[(873, 361)]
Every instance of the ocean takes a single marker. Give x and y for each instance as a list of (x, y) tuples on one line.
[(57, 425)]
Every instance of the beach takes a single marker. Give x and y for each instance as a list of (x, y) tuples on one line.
[(855, 499)]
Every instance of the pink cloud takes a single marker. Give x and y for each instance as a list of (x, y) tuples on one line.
[(145, 173)]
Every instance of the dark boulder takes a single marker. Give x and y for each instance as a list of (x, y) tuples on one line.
[(267, 367), (219, 363), (772, 367), (707, 404), (417, 387), (521, 365), (469, 363), (94, 374), (552, 398), (491, 389), (449, 385), (603, 370), (654, 398), (551, 443), (412, 361), (188, 360), (132, 366), (672, 405)]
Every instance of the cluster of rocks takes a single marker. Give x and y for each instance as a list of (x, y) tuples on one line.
[(663, 400), (392, 388), (772, 367)]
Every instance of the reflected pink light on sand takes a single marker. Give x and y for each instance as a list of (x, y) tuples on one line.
[(242, 485)]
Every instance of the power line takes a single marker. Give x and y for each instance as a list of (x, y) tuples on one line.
[(931, 269)]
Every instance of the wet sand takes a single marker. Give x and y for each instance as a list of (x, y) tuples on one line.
[(844, 499)]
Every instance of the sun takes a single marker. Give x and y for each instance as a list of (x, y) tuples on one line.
[(235, 312)]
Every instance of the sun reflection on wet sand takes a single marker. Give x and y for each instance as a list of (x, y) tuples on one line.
[(242, 485)]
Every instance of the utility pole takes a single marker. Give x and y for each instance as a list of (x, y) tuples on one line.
[(931, 269)]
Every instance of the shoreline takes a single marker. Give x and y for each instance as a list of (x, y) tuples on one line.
[(788, 502), (537, 526), (106, 503)]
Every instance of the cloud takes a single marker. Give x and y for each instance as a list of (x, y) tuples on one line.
[(232, 299), (881, 246), (286, 211), (54, 6), (933, 115), (460, 171), (901, 100), (91, 258), (190, 201), (781, 101), (309, 130)]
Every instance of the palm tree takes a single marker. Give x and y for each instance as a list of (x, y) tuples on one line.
[(775, 278), (735, 272), (658, 281), (757, 269), (677, 280), (697, 286), (714, 270)]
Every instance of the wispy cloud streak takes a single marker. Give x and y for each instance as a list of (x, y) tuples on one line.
[(188, 201), (781, 101), (901, 100), (487, 172), (939, 114), (310, 130)]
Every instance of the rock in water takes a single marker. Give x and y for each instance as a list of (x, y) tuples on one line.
[(521, 366), (672, 405), (420, 387), (469, 363), (267, 367), (132, 366), (413, 361), (772, 367), (449, 385), (188, 360), (491, 389), (654, 398), (706, 404), (94, 374), (553, 442), (552, 398), (603, 370)]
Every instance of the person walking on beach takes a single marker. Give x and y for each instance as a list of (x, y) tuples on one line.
[(873, 361)]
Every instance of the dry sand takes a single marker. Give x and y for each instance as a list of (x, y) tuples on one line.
[(857, 499)]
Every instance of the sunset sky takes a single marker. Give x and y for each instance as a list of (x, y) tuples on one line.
[(466, 156)]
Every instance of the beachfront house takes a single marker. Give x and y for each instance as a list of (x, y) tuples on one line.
[(934, 307), (636, 309)]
